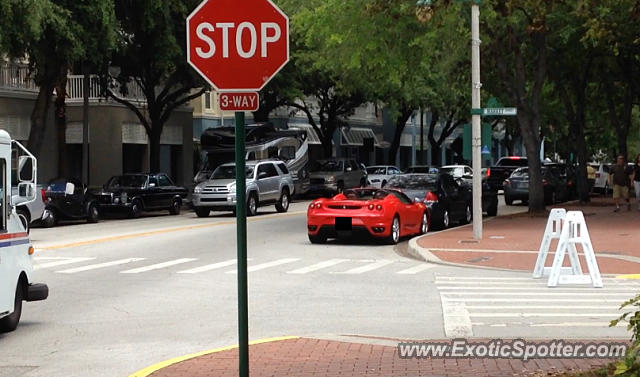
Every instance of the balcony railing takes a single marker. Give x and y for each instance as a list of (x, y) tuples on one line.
[(16, 77)]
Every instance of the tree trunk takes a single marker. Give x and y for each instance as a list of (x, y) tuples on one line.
[(61, 127), (39, 119), (401, 121), (528, 121), (327, 143), (154, 147)]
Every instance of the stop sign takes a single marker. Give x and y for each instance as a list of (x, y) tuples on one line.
[(237, 45)]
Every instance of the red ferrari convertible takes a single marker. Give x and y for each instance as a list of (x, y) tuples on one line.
[(383, 214)]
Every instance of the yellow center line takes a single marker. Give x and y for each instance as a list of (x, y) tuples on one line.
[(163, 231)]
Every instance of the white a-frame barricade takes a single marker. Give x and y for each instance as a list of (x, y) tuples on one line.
[(551, 232), (572, 229)]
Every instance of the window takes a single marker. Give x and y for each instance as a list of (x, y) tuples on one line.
[(153, 182), (287, 153), (164, 181), (3, 195), (267, 168), (402, 197), (283, 168), (448, 185), (468, 171), (394, 170), (207, 101)]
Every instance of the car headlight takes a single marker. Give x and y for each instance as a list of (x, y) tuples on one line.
[(197, 190), (330, 180), (116, 200), (232, 188)]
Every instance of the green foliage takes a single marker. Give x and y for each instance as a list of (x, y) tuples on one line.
[(629, 366)]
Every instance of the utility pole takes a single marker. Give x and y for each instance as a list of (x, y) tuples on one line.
[(85, 123), (476, 132)]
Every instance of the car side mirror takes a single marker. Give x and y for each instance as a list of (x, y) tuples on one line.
[(262, 174), (349, 168), (27, 190), (26, 168), (69, 188), (152, 184)]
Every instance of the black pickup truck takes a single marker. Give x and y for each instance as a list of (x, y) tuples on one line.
[(503, 169)]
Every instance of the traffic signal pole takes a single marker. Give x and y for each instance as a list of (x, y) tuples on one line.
[(241, 222), (476, 132)]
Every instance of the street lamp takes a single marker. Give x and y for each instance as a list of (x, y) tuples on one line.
[(424, 12)]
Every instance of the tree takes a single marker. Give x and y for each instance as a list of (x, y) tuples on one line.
[(518, 48), (152, 57)]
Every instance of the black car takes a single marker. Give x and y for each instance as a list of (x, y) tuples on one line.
[(134, 193), (516, 187), (463, 174), (68, 200), (447, 200)]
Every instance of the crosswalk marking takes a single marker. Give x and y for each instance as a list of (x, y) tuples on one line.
[(530, 288), (158, 266), (318, 266), (541, 283), (525, 315), (368, 267), (61, 262), (543, 307), (262, 266), (99, 265), (475, 294), (602, 300), (209, 267), (414, 270)]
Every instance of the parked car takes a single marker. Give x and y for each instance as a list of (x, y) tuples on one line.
[(516, 187), (336, 174), (378, 175), (382, 214), (68, 199), (135, 193), (496, 174), (463, 174), (567, 174), (267, 182), (30, 212), (602, 177), (421, 169), (447, 200)]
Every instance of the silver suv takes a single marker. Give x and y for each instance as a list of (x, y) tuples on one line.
[(268, 182)]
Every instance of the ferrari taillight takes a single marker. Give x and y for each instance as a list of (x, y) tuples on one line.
[(489, 172), (371, 207), (379, 207), (431, 197), (315, 205), (43, 194)]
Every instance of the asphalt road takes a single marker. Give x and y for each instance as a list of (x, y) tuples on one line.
[(128, 293)]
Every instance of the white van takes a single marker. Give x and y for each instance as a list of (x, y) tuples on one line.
[(16, 251)]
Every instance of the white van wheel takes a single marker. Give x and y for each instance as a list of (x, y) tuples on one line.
[(10, 322)]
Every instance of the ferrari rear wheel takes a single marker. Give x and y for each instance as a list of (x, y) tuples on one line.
[(394, 231), (317, 239)]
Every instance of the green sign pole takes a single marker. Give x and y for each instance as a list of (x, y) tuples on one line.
[(241, 221)]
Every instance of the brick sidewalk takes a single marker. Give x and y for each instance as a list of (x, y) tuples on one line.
[(306, 357), (513, 241)]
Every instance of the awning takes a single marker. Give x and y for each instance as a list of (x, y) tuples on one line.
[(355, 136), (312, 135)]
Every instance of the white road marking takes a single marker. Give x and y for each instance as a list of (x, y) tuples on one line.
[(538, 288), (158, 266), (61, 262), (534, 283), (604, 300), (414, 270), (570, 307), (476, 294), (526, 315), (263, 266), (573, 324), (367, 267), (100, 265), (209, 267), (477, 278), (318, 266), (457, 323)]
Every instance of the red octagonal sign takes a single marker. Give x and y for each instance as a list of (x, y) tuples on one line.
[(237, 45)]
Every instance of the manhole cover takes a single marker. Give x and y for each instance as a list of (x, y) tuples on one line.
[(479, 259)]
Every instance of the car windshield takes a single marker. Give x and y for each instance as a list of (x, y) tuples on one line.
[(327, 165), (453, 171), (365, 194), (520, 173), (422, 169), (229, 172), (137, 181), (377, 170), (426, 181)]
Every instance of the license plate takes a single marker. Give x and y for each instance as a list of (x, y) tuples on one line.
[(343, 224)]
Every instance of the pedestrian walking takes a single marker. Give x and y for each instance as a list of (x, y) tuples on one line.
[(620, 179), (636, 179)]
